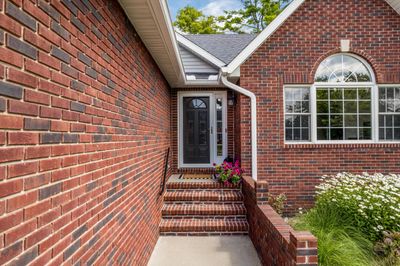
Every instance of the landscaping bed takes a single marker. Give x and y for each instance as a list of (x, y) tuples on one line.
[(356, 219)]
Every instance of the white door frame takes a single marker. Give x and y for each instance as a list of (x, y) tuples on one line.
[(213, 137)]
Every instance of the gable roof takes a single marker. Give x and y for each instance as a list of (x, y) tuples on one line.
[(225, 47), (271, 28)]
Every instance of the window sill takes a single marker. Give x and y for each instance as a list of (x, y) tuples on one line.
[(324, 145)]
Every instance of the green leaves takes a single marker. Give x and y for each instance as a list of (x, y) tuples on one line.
[(254, 16), (193, 21)]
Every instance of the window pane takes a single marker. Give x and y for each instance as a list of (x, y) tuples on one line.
[(364, 120), (396, 134), (305, 107), (297, 117), (336, 133), (322, 93), (304, 121), (296, 121), (351, 134), (336, 107), (364, 106), (296, 134), (288, 134), (323, 134), (289, 121), (350, 94), (336, 94), (323, 107), (364, 94), (336, 120), (365, 133), (350, 120), (219, 129), (350, 107), (323, 120)]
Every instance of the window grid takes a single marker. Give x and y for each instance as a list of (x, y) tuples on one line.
[(389, 113), (298, 119), (343, 129)]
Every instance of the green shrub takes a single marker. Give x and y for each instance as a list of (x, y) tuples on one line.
[(277, 202), (339, 243), (371, 202)]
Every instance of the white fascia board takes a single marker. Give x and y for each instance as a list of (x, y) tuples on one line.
[(161, 14), (262, 37), (197, 50)]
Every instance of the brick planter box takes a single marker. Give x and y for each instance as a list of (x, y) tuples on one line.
[(275, 241)]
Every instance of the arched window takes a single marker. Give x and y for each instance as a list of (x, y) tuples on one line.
[(342, 68), (197, 103), (343, 111)]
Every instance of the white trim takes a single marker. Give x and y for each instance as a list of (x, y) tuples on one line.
[(223, 95), (313, 103), (213, 153), (253, 106), (199, 51), (264, 35), (309, 114)]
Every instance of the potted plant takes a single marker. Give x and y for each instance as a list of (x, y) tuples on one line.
[(229, 172)]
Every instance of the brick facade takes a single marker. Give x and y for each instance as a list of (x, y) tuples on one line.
[(84, 127), (291, 56)]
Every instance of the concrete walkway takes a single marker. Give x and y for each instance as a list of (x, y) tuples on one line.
[(204, 251)]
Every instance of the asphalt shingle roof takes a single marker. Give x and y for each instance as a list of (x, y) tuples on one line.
[(225, 47)]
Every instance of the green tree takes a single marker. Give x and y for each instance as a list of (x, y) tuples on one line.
[(254, 16), (193, 21)]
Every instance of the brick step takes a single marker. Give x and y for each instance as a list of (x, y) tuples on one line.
[(203, 195), (203, 209), (203, 226), (200, 185), (205, 217)]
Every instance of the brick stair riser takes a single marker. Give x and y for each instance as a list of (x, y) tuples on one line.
[(200, 226), (189, 203), (203, 233), (201, 186), (203, 197), (206, 217), (203, 209)]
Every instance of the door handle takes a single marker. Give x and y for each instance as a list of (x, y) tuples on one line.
[(211, 129)]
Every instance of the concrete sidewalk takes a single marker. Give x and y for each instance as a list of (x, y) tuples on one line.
[(204, 251)]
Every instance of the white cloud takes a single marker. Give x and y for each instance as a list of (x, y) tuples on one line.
[(216, 8)]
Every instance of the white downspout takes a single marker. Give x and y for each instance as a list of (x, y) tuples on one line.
[(253, 104)]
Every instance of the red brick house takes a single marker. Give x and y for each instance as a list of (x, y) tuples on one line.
[(94, 92)]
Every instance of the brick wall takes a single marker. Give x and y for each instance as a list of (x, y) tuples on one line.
[(275, 241), (231, 126), (291, 56), (84, 127)]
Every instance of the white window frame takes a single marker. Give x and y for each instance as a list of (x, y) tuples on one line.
[(213, 123), (313, 107), (309, 113), (381, 86)]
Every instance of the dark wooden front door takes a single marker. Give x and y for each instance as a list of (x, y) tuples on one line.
[(196, 134)]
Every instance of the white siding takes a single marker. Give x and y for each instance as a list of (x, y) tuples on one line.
[(194, 64)]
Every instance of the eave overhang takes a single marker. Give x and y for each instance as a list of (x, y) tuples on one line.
[(152, 22)]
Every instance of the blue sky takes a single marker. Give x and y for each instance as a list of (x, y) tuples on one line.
[(209, 7)]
